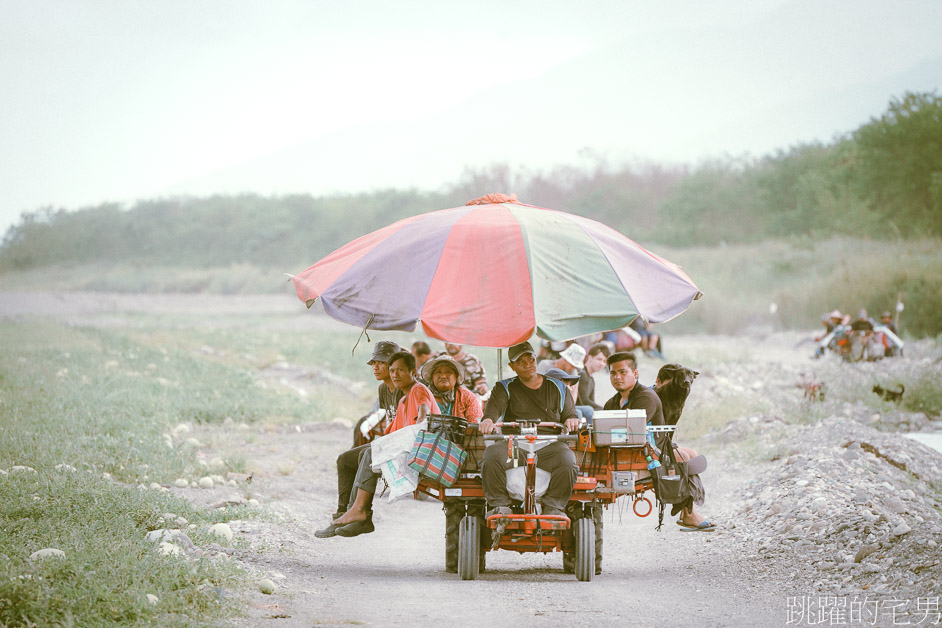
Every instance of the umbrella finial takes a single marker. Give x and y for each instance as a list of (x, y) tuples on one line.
[(493, 198)]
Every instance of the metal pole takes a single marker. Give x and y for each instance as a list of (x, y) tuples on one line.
[(899, 308)]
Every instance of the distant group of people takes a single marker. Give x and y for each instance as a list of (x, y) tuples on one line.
[(859, 338)]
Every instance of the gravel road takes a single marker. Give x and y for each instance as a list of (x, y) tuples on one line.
[(395, 576)]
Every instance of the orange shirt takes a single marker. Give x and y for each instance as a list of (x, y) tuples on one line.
[(408, 408)]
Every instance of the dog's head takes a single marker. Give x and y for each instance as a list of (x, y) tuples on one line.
[(673, 386), (677, 377)]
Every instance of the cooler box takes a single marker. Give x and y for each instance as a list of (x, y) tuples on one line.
[(619, 428)]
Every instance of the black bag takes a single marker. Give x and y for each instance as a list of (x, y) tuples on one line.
[(671, 482), (670, 489)]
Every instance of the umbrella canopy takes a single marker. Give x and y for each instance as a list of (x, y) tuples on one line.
[(492, 274)]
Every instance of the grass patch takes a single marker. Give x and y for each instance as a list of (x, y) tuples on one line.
[(806, 278), (101, 401), (109, 567)]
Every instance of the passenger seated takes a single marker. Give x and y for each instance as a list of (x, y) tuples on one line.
[(863, 322), (443, 375), (529, 396), (572, 384), (349, 461), (631, 394), (414, 407)]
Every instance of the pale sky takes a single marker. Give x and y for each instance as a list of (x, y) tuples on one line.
[(119, 100)]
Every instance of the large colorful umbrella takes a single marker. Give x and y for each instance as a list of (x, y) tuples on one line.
[(490, 274)]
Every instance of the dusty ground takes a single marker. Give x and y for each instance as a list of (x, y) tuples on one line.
[(395, 576)]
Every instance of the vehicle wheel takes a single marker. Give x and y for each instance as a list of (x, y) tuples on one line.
[(585, 549), (485, 543), (453, 515), (569, 556), (469, 548)]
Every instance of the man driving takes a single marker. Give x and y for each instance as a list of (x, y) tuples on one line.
[(529, 396)]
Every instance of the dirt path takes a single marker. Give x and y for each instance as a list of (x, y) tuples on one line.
[(395, 576)]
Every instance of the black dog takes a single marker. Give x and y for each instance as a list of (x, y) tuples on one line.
[(673, 386), (889, 395)]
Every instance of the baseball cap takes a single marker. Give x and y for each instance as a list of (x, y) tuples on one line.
[(518, 350), (382, 351), (561, 375)]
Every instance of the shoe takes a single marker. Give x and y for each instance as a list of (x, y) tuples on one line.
[(681, 523), (499, 510), (598, 570), (326, 533), (556, 512), (364, 526), (706, 526)]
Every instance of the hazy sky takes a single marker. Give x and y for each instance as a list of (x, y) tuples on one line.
[(115, 100)]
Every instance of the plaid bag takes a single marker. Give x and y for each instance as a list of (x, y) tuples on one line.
[(436, 457)]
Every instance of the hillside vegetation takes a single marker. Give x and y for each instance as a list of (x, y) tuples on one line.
[(848, 224)]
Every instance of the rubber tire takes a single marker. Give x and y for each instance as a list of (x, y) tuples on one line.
[(585, 549), (469, 548), (454, 513), (485, 543), (569, 558)]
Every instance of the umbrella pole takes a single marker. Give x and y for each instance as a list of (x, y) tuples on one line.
[(500, 365)]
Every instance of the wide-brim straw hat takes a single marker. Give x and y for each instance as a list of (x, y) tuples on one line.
[(429, 367)]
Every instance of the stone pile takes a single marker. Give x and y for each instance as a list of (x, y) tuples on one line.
[(847, 508)]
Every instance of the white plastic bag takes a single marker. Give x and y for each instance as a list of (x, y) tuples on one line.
[(391, 458), (388, 447), (401, 478)]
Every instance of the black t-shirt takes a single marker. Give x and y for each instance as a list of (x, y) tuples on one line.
[(640, 398), (529, 404), (587, 390), (389, 400)]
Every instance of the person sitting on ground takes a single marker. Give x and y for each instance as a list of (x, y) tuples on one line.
[(651, 343), (475, 378), (414, 407), (835, 318), (887, 321), (631, 394), (349, 461), (443, 375), (863, 322), (529, 396)]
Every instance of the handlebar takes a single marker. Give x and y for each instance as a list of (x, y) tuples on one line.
[(549, 437)]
